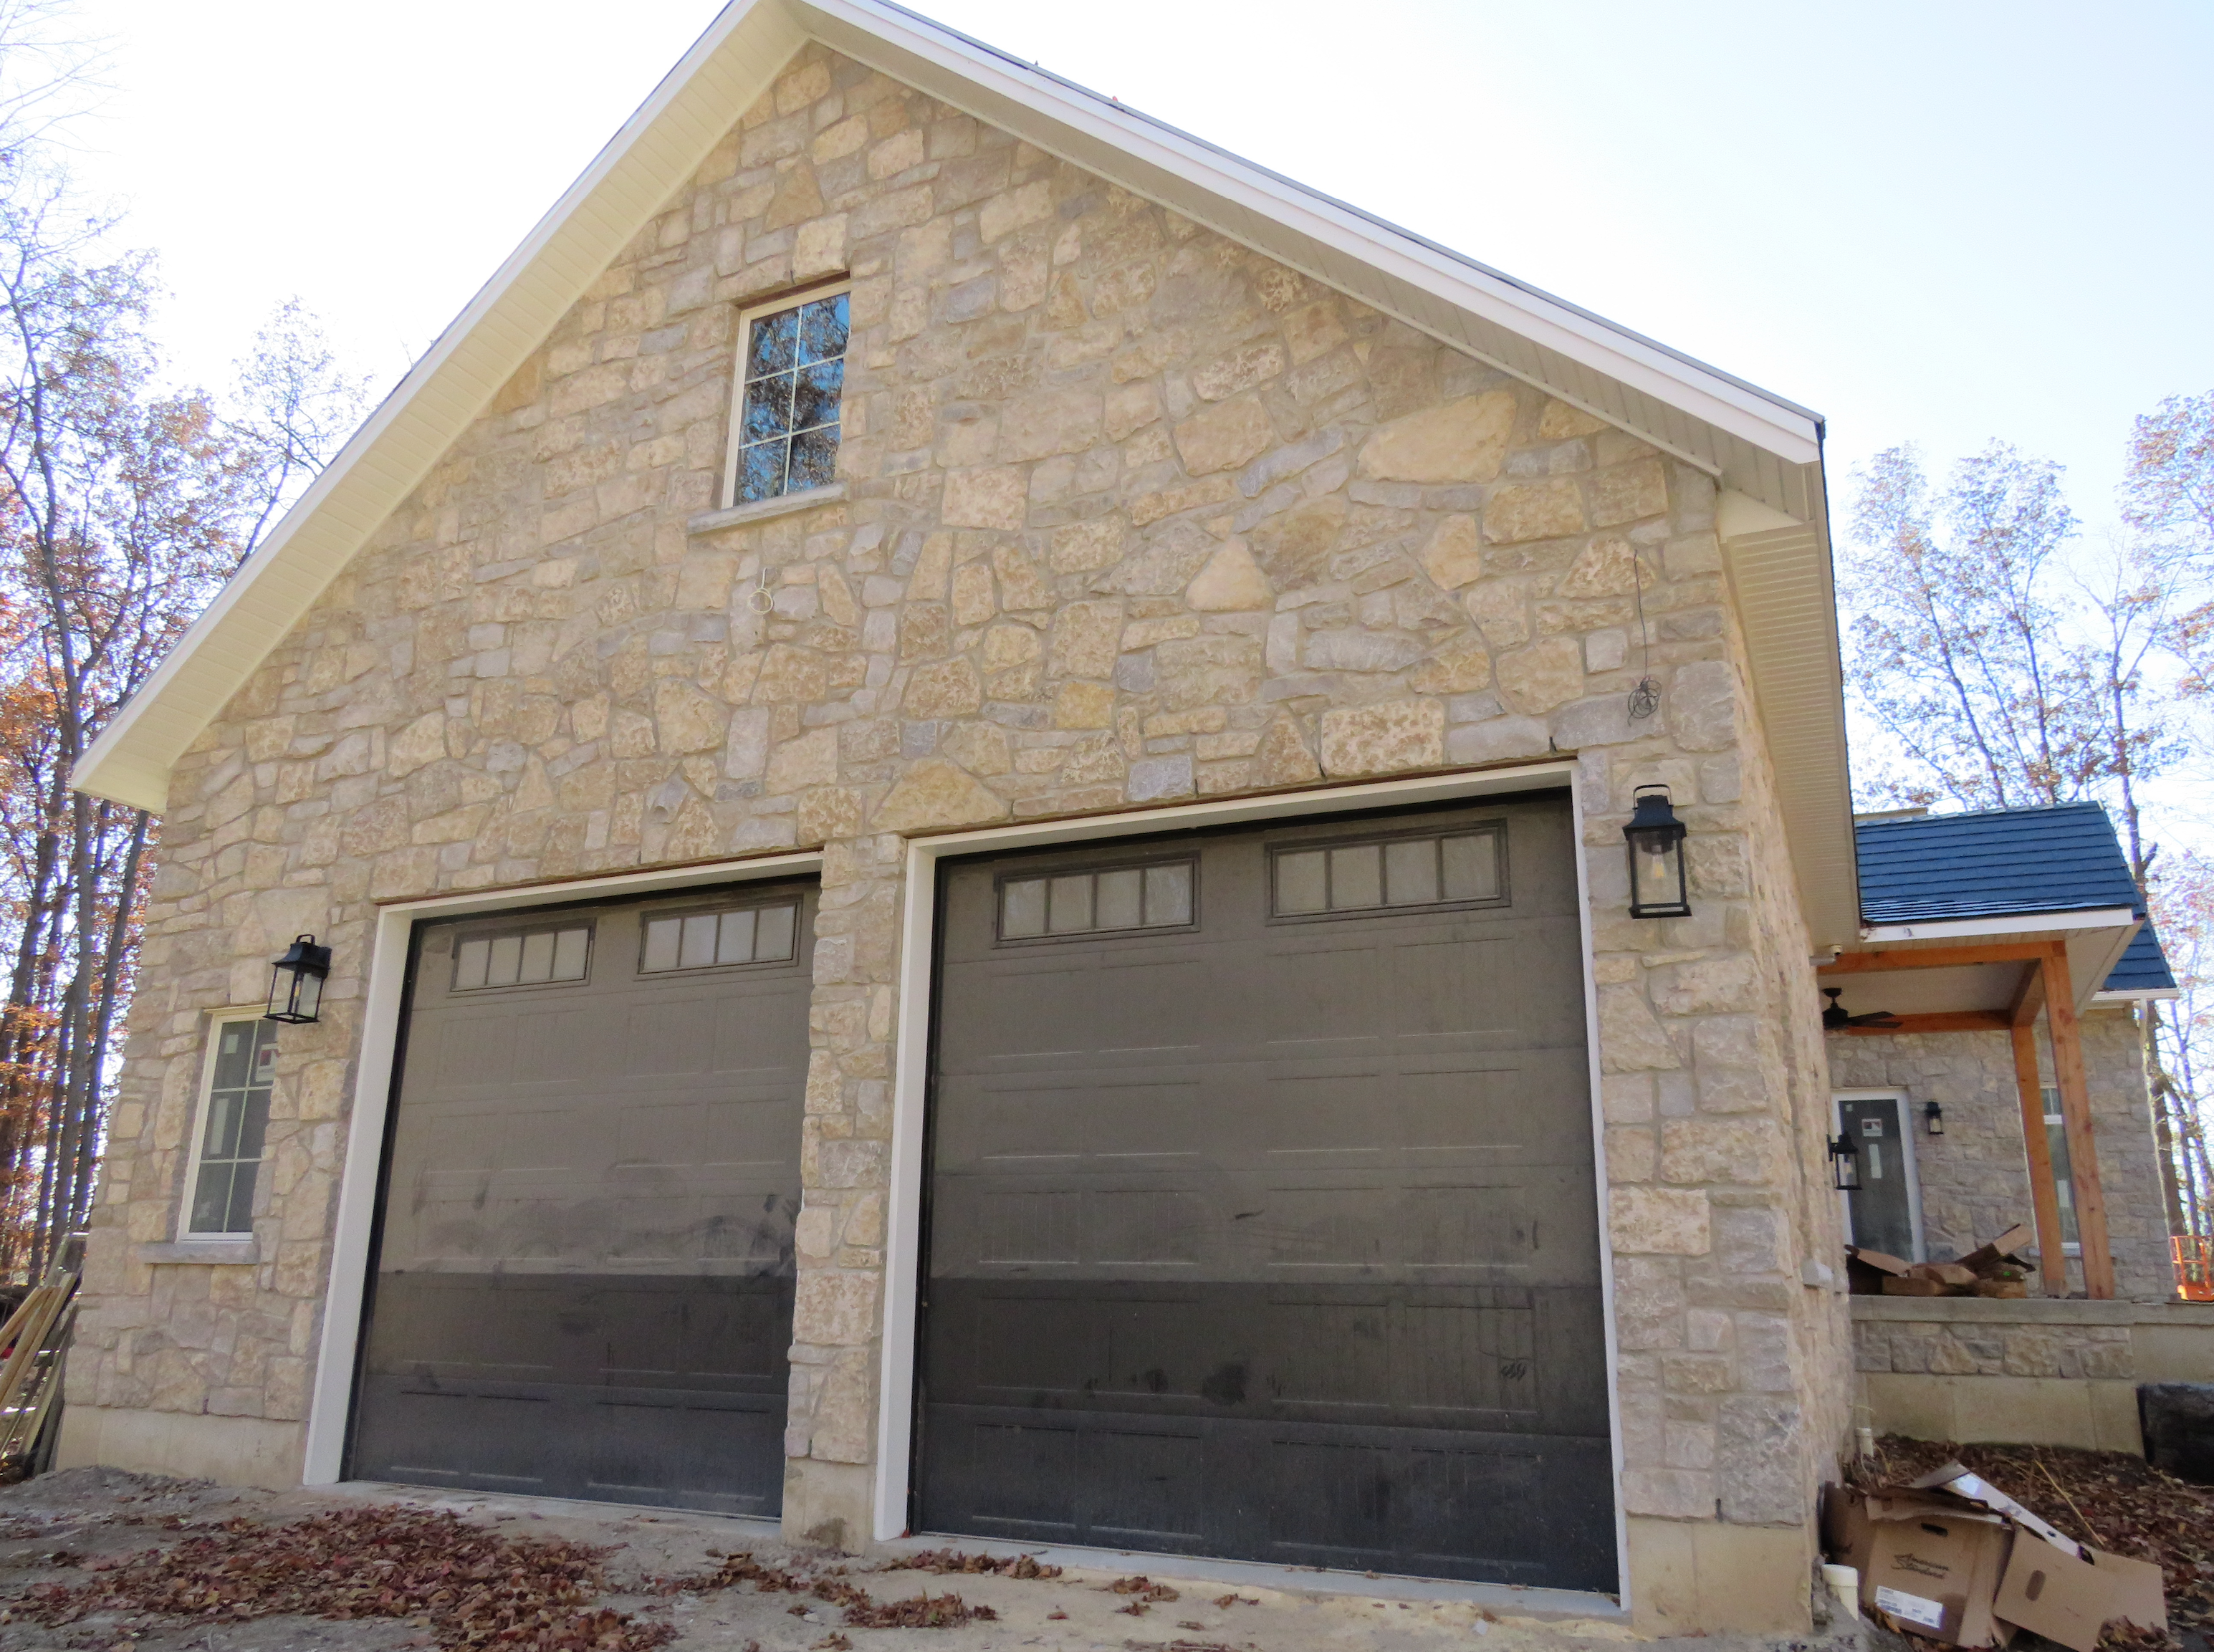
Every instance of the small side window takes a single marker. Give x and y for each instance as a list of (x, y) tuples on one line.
[(233, 1120), (792, 380), (1158, 896), (1444, 869), (522, 958)]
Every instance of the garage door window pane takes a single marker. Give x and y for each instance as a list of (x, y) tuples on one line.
[(530, 958), (1115, 901), (707, 941), (1458, 869)]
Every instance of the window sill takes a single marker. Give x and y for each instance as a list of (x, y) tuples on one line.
[(739, 516), (202, 1252)]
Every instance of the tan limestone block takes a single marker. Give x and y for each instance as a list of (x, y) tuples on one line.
[(1294, 548), (1630, 1036), (1083, 706), (1047, 422), (1282, 758), (1086, 639), (1543, 676), (1712, 987), (1382, 739), (980, 748), (1022, 588), (1739, 1149), (687, 719), (820, 247), (1462, 441), (1014, 210), (1241, 370), (791, 677), (1454, 554), (422, 742), (1627, 493), (811, 760), (934, 794), (825, 813), (1657, 1222), (845, 1423), (1131, 408), (1526, 510), (1086, 546), (984, 498), (947, 687), (1314, 330), (841, 138), (973, 601), (1224, 437), (1148, 508), (1209, 671), (1006, 645), (1605, 567), (834, 1310), (1560, 421), (1232, 582), (1457, 671)]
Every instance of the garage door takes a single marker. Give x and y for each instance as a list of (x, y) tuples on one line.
[(583, 1275), (1262, 1218)]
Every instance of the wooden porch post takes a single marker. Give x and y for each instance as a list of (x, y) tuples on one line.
[(2043, 1191), (2076, 1113)]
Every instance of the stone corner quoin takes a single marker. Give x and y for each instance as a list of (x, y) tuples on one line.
[(1133, 517)]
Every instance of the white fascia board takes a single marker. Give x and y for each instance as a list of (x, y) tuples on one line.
[(1105, 130), (2022, 923), (2136, 996)]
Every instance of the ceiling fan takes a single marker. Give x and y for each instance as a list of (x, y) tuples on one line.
[(1834, 1016)]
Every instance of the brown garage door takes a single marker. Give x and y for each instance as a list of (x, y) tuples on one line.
[(584, 1273), (1261, 1217)]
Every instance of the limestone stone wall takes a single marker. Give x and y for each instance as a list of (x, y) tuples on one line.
[(1975, 1178), (1134, 517)]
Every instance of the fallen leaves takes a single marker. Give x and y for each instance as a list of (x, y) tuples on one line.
[(861, 1609), (472, 1587), (943, 1561), (1143, 1587)]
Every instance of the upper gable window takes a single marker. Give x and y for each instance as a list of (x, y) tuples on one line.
[(784, 437)]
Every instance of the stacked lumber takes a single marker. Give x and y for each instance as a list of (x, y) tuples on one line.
[(31, 1344), (1990, 1269)]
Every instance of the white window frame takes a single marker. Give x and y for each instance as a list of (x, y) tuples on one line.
[(183, 1228), (747, 319), (1907, 1133)]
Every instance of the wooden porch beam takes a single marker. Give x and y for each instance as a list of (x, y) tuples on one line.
[(2044, 1190), (1942, 1021), (1935, 957), (2028, 998), (2076, 1113)]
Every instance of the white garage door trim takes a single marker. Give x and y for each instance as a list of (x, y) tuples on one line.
[(330, 1402), (911, 1069)]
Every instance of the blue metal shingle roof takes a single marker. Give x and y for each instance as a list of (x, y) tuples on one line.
[(2144, 967), (2003, 863)]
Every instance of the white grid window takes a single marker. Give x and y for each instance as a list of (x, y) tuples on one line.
[(784, 437), (234, 1121), (707, 940)]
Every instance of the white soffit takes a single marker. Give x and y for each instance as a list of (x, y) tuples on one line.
[(1780, 578), (1765, 448)]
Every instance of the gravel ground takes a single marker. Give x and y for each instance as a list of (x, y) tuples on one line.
[(79, 1527)]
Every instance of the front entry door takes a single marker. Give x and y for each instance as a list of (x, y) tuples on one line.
[(1262, 1218), (1881, 1210), (584, 1279)]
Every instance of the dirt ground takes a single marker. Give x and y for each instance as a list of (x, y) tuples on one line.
[(78, 1529)]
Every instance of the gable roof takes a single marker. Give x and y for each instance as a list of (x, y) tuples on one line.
[(1758, 444), (2009, 863)]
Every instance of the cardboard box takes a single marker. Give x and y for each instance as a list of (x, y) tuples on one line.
[(2070, 1601), (1934, 1567), (1954, 1559)]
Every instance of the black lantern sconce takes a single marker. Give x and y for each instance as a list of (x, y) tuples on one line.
[(1933, 1118), (1845, 1165), (1658, 886), (295, 981)]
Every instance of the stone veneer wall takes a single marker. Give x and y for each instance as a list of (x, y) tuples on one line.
[(1975, 1178), (1135, 515)]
